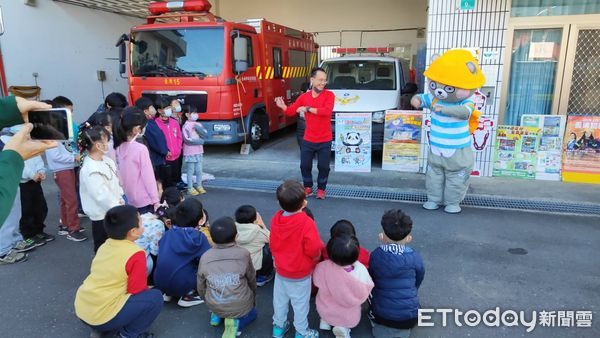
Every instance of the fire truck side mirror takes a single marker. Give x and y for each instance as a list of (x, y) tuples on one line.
[(122, 53), (240, 54), (1, 22)]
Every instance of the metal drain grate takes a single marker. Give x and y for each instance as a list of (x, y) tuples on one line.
[(387, 194)]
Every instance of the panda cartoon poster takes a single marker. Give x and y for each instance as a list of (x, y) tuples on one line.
[(402, 140), (353, 142)]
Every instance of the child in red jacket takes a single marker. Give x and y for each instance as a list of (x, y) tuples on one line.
[(296, 248)]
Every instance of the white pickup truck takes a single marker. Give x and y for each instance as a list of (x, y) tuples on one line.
[(372, 84)]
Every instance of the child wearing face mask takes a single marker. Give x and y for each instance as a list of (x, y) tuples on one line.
[(172, 131), (133, 160), (193, 150), (99, 184), (177, 111)]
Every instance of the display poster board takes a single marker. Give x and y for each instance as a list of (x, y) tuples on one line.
[(515, 152), (353, 142), (581, 156), (402, 140), (550, 147)]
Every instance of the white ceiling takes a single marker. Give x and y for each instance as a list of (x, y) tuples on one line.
[(137, 8)]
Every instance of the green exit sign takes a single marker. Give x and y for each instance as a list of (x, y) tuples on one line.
[(467, 5)]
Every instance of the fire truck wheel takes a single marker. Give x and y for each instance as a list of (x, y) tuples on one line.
[(256, 131)]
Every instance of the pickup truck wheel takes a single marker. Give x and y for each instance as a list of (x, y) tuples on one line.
[(256, 132)]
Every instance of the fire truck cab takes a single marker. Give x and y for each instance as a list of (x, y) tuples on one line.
[(368, 80), (228, 72)]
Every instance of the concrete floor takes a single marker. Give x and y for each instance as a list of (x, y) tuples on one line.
[(468, 259)]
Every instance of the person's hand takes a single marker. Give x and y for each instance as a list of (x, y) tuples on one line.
[(22, 143), (280, 103), (37, 177), (42, 176), (77, 158), (415, 102), (259, 221), (168, 154), (26, 105), (301, 110)]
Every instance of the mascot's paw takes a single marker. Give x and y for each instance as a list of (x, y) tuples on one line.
[(431, 205), (452, 209)]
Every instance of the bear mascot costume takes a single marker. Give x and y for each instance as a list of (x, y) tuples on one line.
[(453, 78)]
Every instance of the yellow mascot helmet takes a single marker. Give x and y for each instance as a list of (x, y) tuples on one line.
[(457, 68)]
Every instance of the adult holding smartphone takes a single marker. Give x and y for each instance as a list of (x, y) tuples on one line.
[(13, 111), (317, 107)]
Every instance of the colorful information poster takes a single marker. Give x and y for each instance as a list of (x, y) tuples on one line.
[(353, 142), (516, 151), (582, 150), (550, 149), (402, 140)]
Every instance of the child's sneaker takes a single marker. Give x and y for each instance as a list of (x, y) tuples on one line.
[(200, 190), (62, 230), (192, 192), (320, 194), (26, 245), (279, 332), (45, 237), (214, 320), (310, 333), (231, 328), (167, 298), (324, 326), (191, 299), (76, 236), (341, 332), (263, 280), (13, 257)]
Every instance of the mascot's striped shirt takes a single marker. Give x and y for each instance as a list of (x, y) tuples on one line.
[(448, 132)]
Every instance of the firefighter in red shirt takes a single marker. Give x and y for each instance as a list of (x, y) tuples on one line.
[(317, 106)]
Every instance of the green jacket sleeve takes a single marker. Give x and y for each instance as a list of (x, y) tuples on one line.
[(9, 112), (11, 167)]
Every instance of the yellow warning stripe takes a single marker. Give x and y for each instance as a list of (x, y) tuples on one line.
[(270, 73), (258, 73)]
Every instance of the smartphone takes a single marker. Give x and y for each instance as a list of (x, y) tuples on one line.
[(51, 124)]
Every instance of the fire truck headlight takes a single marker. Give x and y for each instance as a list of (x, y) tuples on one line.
[(221, 127), (378, 116)]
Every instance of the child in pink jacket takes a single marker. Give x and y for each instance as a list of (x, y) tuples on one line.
[(172, 131), (344, 284), (133, 160)]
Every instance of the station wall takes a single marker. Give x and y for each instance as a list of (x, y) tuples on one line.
[(65, 45), (336, 16)]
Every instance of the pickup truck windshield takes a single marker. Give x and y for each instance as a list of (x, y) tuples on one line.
[(361, 75), (177, 52)]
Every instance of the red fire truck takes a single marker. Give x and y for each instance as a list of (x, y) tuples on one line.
[(229, 72)]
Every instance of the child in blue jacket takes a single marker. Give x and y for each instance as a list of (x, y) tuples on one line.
[(179, 252), (397, 271)]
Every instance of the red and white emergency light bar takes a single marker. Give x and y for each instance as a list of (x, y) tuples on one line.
[(376, 50), (163, 7)]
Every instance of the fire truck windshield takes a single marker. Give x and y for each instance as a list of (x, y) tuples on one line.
[(360, 75), (177, 52)]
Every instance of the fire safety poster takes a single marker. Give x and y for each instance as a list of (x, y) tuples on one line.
[(550, 147), (582, 150), (353, 142), (516, 152), (402, 140)]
